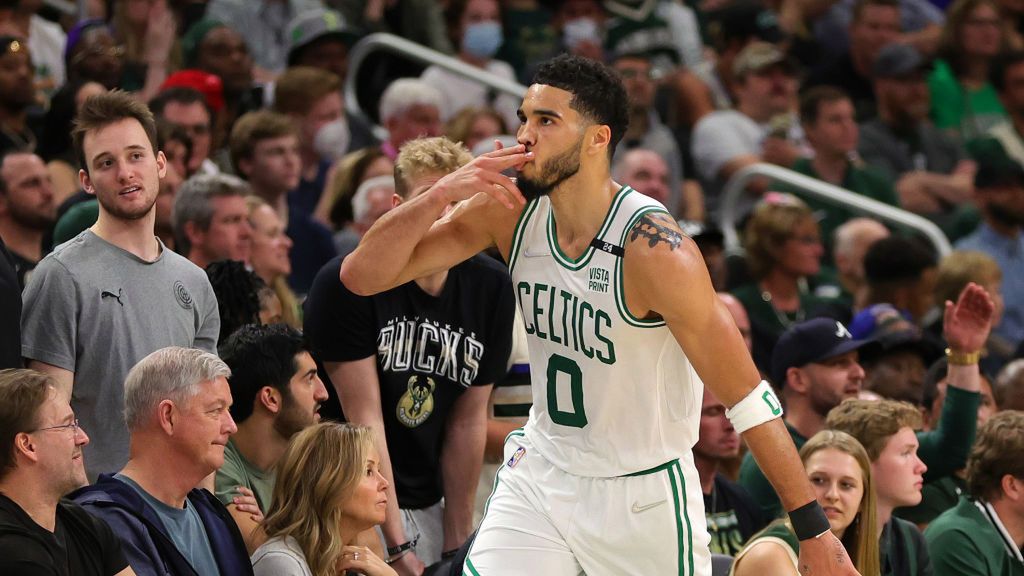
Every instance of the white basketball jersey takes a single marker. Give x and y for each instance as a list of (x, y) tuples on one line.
[(612, 394)]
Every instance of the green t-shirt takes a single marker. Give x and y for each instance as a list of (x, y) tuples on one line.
[(768, 323), (862, 180), (964, 542), (969, 112), (237, 471)]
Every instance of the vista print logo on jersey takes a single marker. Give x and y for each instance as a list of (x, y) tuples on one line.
[(598, 279), (417, 404)]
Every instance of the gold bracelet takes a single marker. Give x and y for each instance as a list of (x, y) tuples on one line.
[(962, 358)]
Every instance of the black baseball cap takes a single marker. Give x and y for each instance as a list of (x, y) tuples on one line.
[(809, 342)]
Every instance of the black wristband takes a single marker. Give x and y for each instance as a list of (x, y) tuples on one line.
[(449, 554), (809, 521), (394, 550)]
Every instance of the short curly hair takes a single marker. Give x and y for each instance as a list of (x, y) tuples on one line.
[(424, 156), (873, 422), (998, 451), (597, 92)]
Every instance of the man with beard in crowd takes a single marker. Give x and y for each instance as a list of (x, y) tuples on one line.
[(276, 393), (27, 208), (17, 94), (999, 193)]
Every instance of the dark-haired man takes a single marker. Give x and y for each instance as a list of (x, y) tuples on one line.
[(114, 293), (999, 194), (276, 393), (188, 108), (17, 94), (874, 25), (901, 272), (27, 208), (615, 402)]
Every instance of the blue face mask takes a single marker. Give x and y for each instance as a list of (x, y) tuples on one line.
[(482, 39)]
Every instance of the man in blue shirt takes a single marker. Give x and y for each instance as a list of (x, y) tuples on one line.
[(999, 189)]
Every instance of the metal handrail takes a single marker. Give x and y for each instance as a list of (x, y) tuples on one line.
[(827, 193), (423, 55)]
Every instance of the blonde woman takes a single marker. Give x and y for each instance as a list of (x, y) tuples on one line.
[(840, 472), (328, 490), (269, 256)]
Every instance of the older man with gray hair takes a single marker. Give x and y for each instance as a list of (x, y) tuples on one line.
[(210, 219), (409, 109), (177, 404)]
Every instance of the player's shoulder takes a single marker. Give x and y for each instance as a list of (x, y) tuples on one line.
[(653, 239)]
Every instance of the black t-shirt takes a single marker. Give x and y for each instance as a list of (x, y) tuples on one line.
[(429, 350), (81, 544), (10, 311), (732, 516)]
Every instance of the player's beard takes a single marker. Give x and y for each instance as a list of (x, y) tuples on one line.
[(552, 173)]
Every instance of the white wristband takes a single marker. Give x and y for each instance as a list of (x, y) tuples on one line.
[(758, 407)]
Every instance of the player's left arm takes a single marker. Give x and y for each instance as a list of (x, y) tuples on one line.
[(665, 276), (461, 459)]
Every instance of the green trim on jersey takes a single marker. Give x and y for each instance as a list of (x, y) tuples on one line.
[(494, 488), (620, 286), (655, 470), (681, 515), (517, 232), (584, 259)]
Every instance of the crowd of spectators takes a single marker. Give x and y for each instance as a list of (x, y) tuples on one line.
[(180, 181)]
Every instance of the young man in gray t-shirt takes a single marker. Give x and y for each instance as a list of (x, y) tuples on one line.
[(105, 299)]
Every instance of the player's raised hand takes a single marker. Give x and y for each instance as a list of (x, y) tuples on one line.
[(825, 556), (484, 174)]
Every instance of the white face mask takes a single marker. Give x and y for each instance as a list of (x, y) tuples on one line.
[(332, 140), (580, 30)]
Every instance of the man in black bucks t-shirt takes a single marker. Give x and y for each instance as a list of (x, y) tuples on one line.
[(40, 461), (416, 364)]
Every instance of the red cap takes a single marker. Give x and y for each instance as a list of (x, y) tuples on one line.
[(209, 84)]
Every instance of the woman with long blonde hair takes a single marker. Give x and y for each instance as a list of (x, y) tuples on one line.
[(840, 472), (328, 490), (270, 256)]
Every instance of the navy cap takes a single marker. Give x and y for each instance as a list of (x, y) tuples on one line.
[(808, 342)]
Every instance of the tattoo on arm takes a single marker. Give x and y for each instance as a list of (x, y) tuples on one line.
[(655, 228)]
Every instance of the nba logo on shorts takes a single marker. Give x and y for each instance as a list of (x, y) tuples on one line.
[(520, 452)]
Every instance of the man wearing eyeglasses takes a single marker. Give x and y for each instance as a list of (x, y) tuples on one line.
[(40, 532)]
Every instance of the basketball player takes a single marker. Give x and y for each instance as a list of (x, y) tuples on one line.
[(623, 327)]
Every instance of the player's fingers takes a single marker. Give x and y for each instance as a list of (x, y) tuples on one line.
[(501, 152), (506, 188), (498, 145), (500, 163)]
